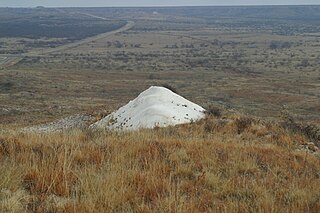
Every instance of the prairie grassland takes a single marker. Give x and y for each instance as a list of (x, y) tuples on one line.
[(253, 71), (232, 60), (236, 164)]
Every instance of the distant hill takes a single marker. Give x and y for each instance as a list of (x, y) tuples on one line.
[(266, 12)]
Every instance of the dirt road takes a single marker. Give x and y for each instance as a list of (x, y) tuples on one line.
[(16, 59), (128, 26)]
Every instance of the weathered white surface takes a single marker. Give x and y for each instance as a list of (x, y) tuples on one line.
[(155, 107)]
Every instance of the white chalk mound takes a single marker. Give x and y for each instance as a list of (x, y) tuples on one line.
[(155, 107)]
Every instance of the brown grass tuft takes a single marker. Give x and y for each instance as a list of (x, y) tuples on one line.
[(188, 168)]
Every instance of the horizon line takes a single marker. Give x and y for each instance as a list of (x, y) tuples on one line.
[(165, 6)]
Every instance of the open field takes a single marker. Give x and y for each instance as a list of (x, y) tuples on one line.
[(251, 63)]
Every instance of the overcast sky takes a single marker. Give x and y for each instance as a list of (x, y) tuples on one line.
[(114, 3)]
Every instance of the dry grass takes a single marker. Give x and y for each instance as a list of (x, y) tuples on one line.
[(202, 167)]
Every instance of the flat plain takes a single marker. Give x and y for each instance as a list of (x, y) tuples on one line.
[(255, 69), (238, 57)]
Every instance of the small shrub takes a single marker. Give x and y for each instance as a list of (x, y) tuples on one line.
[(310, 131), (214, 111), (243, 123)]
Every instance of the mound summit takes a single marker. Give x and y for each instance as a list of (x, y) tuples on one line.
[(155, 107)]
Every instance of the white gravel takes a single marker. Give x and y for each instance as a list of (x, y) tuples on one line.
[(71, 122)]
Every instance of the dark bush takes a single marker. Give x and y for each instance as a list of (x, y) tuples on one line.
[(243, 123), (214, 111)]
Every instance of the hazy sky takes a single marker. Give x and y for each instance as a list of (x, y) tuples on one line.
[(98, 3)]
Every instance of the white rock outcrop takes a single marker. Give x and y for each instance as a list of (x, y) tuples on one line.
[(155, 107)]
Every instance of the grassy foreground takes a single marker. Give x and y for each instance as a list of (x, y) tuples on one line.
[(216, 165)]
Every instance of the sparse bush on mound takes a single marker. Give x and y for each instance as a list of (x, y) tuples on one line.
[(242, 123), (214, 111)]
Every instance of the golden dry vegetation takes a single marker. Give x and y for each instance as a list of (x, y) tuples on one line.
[(229, 164)]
